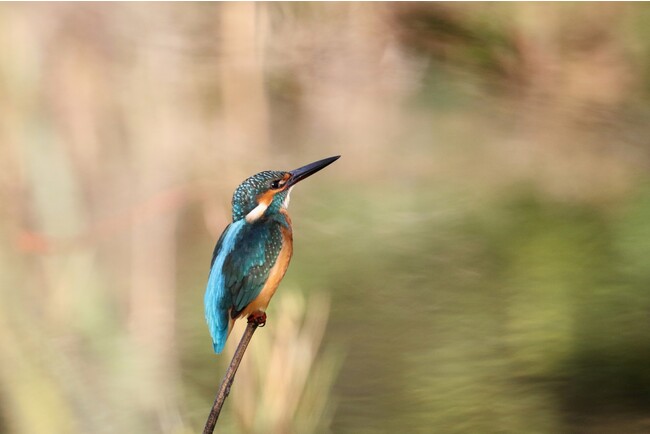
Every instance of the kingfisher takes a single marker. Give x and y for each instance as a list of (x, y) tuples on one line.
[(254, 251)]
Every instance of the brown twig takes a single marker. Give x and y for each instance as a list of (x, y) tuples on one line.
[(224, 388)]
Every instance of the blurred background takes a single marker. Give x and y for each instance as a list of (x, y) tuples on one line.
[(478, 261)]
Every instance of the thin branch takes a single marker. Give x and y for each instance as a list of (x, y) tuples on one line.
[(224, 388)]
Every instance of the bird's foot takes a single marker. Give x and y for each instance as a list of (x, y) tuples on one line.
[(258, 318)]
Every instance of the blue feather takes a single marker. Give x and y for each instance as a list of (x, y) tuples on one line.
[(217, 297)]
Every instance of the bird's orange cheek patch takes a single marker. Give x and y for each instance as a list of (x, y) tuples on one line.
[(265, 198), (263, 202)]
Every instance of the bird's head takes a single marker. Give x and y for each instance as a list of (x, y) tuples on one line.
[(268, 192)]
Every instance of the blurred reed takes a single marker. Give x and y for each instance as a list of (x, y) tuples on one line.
[(282, 386)]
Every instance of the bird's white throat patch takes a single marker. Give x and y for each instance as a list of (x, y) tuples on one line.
[(287, 199)]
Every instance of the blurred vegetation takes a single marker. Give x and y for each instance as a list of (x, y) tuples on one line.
[(478, 260)]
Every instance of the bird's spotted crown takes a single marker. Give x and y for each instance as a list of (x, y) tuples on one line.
[(244, 200)]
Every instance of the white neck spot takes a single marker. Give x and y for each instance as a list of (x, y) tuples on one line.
[(256, 213)]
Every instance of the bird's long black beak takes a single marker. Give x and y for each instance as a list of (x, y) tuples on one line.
[(303, 172)]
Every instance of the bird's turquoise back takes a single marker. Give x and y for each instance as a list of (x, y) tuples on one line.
[(216, 308)]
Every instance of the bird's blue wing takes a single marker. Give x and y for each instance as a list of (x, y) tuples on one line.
[(217, 298), (248, 265), (241, 262)]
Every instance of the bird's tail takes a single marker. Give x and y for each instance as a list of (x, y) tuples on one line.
[(219, 339)]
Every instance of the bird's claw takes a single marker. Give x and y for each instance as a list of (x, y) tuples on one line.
[(257, 318)]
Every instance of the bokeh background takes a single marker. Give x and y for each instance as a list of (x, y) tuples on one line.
[(478, 261)]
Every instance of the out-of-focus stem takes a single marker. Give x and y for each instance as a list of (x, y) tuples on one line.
[(224, 388)]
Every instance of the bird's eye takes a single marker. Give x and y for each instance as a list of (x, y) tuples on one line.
[(276, 184)]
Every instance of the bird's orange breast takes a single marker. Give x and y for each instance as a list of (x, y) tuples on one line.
[(275, 274)]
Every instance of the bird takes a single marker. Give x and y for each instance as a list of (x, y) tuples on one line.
[(254, 250)]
